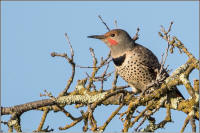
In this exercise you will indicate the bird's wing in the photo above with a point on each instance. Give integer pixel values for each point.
(151, 63)
(149, 60)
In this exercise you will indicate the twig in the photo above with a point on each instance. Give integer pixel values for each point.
(140, 124)
(39, 129)
(121, 87)
(80, 66)
(196, 85)
(103, 62)
(136, 36)
(193, 125)
(70, 45)
(115, 22)
(165, 57)
(163, 60)
(146, 116)
(115, 81)
(71, 125)
(187, 119)
(93, 122)
(187, 85)
(106, 59)
(170, 26)
(94, 69)
(47, 129)
(102, 128)
(93, 56)
(66, 112)
(152, 126)
(175, 42)
(141, 114)
(104, 23)
(72, 63)
(49, 94)
(103, 77)
(166, 120)
(85, 120)
(100, 78)
(127, 121)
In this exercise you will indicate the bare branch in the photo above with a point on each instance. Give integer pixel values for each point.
(102, 128)
(115, 22)
(71, 125)
(192, 122)
(187, 119)
(170, 26)
(72, 63)
(115, 80)
(103, 77)
(71, 49)
(104, 23)
(103, 62)
(95, 69)
(39, 129)
(136, 36)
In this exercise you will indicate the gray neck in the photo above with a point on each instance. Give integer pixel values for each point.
(120, 49)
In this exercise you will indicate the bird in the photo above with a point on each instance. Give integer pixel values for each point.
(136, 64)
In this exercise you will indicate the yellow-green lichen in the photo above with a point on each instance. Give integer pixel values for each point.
(85, 99)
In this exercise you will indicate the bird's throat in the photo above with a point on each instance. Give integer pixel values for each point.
(119, 60)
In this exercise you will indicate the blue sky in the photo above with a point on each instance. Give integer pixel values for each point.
(32, 30)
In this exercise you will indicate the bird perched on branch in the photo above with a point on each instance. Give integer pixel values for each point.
(137, 65)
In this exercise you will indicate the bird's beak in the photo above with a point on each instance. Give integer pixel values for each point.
(97, 36)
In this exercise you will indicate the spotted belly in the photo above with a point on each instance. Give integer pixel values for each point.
(135, 74)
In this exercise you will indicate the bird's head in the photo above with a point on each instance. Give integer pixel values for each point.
(117, 40)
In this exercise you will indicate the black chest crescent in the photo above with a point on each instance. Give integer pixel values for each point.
(119, 60)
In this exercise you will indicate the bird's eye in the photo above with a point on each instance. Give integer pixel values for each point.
(112, 35)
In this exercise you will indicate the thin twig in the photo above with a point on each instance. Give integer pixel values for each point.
(42, 120)
(91, 79)
(104, 23)
(140, 124)
(136, 36)
(187, 119)
(102, 128)
(193, 125)
(67, 113)
(121, 87)
(49, 94)
(85, 120)
(92, 120)
(72, 63)
(115, 22)
(103, 77)
(115, 80)
(70, 45)
(141, 114)
(103, 62)
(170, 26)
(71, 125)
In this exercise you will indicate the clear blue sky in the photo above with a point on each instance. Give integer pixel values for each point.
(32, 30)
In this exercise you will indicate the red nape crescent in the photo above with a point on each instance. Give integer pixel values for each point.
(112, 42)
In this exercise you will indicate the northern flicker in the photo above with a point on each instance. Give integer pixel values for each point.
(136, 64)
